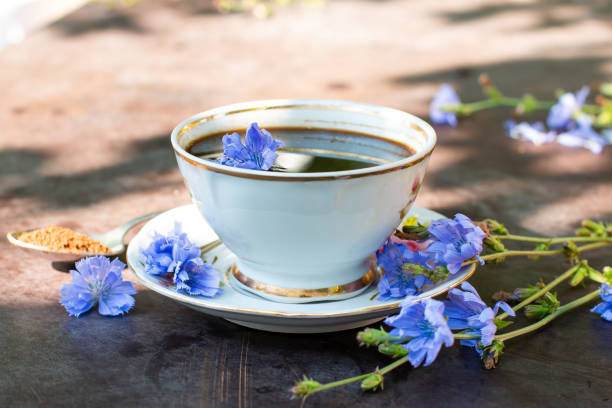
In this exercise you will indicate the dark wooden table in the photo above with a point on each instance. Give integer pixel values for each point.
(86, 110)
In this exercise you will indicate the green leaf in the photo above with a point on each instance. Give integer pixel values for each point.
(579, 275)
(596, 276)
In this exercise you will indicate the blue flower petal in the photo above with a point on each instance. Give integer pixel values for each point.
(604, 308)
(446, 96)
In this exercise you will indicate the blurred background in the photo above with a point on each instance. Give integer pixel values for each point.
(92, 89)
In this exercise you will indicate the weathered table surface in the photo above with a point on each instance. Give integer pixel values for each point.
(87, 105)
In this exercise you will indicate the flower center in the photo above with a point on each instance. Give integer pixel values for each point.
(426, 328)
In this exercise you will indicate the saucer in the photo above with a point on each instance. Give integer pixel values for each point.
(246, 309)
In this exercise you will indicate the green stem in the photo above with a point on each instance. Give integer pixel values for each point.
(536, 253)
(460, 336)
(468, 108)
(382, 371)
(393, 365)
(542, 291)
(563, 309)
(555, 240)
(594, 245)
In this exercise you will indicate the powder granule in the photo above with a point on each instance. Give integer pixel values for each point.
(62, 239)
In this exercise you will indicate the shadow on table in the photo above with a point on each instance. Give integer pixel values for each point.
(548, 13)
(140, 169)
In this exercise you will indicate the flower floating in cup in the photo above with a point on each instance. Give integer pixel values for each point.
(98, 280)
(175, 258)
(257, 153)
(570, 119)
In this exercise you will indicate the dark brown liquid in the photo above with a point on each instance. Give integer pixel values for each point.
(315, 150)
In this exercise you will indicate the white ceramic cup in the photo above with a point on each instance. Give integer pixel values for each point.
(302, 237)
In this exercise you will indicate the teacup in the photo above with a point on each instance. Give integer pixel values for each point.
(303, 237)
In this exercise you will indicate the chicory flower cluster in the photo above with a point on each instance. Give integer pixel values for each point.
(426, 325)
(423, 327)
(567, 123)
(175, 257)
(449, 244)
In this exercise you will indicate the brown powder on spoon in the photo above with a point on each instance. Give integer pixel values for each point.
(62, 239)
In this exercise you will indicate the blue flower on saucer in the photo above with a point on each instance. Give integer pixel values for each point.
(177, 257)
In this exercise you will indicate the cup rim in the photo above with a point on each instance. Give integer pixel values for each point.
(358, 107)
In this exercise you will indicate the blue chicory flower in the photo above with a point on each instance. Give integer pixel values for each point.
(258, 152)
(446, 96)
(534, 133)
(197, 278)
(398, 282)
(560, 116)
(98, 280)
(395, 283)
(466, 310)
(455, 241)
(177, 256)
(604, 308)
(582, 135)
(424, 323)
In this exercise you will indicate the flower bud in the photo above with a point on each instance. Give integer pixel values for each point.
(597, 228)
(607, 273)
(496, 227)
(484, 80)
(413, 269)
(372, 337)
(438, 273)
(570, 251)
(418, 231)
(305, 387)
(494, 244)
(524, 293)
(503, 296)
(580, 272)
(583, 232)
(491, 354)
(392, 349)
(543, 307)
(372, 382)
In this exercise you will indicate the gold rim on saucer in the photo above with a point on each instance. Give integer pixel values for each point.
(353, 286)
